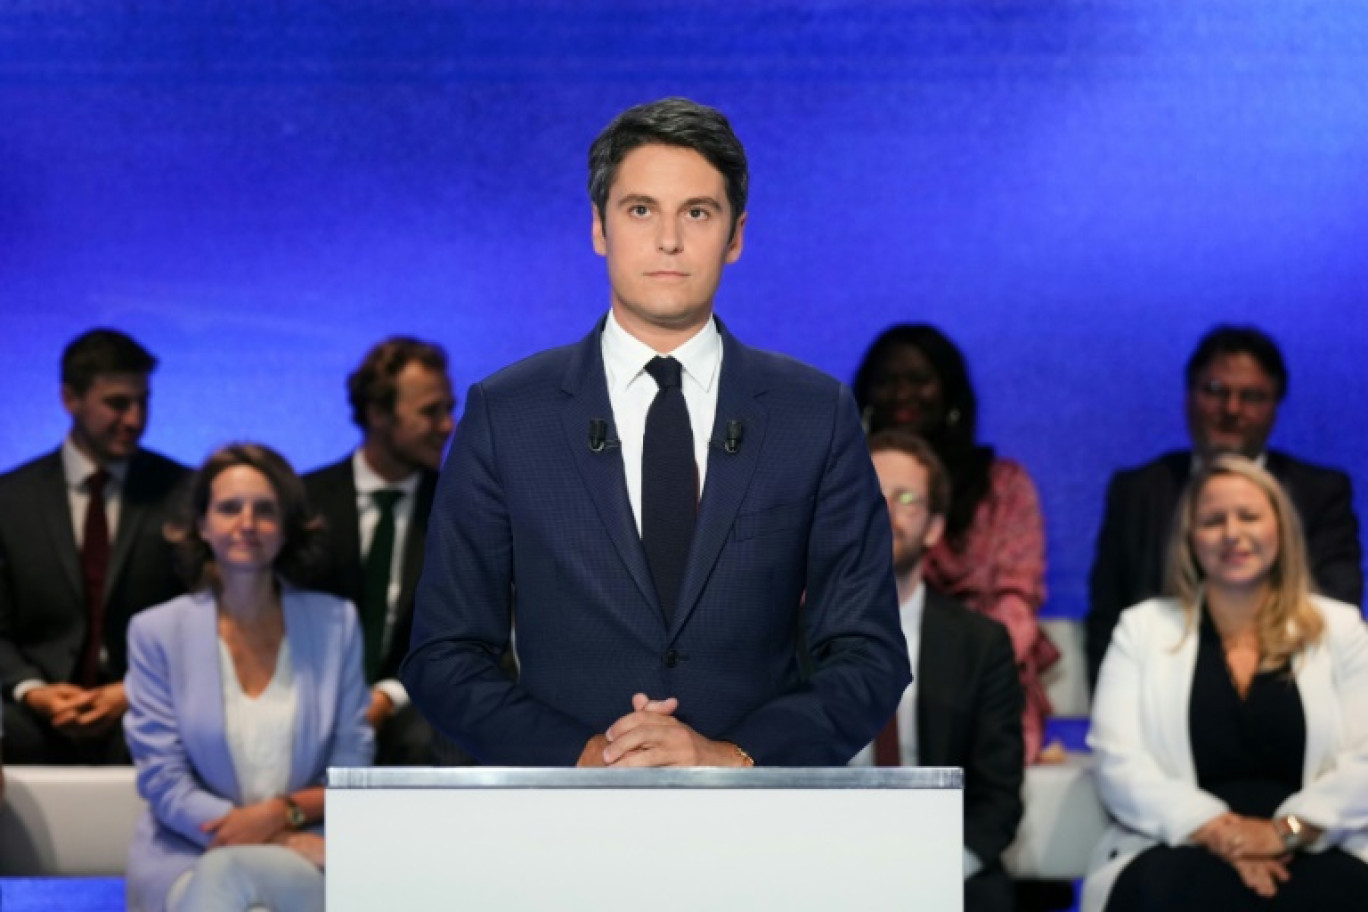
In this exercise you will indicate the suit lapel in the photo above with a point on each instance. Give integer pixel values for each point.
(55, 507)
(346, 538)
(1171, 694)
(938, 642)
(416, 538)
(1315, 674)
(204, 694)
(729, 474)
(586, 386)
(1281, 468)
(1164, 506)
(300, 637)
(132, 514)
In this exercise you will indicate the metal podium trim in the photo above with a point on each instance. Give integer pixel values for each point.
(504, 777)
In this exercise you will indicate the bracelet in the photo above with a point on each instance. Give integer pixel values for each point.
(746, 759)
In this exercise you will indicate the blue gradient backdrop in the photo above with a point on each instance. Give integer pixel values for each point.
(1074, 191)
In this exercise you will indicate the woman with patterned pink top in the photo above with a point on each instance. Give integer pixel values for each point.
(993, 555)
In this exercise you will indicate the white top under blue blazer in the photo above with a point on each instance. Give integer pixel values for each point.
(175, 723)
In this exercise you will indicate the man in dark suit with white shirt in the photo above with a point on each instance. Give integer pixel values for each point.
(1236, 380)
(82, 550)
(963, 707)
(666, 512)
(375, 504)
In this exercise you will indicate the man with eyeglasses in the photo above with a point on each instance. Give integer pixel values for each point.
(1236, 380)
(963, 707)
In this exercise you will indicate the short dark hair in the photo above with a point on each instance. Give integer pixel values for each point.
(103, 351)
(937, 479)
(1226, 339)
(670, 122)
(302, 552)
(373, 383)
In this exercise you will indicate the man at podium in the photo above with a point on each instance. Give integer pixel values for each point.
(688, 531)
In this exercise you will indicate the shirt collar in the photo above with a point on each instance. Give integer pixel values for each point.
(78, 467)
(368, 482)
(911, 610)
(625, 356)
(1196, 465)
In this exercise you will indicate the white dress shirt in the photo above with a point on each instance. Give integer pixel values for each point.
(260, 730)
(368, 512)
(631, 391)
(77, 467)
(910, 612)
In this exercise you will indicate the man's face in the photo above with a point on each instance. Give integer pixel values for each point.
(109, 418)
(666, 233)
(904, 481)
(416, 433)
(1232, 406)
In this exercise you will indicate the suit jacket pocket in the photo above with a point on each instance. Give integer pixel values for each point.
(772, 519)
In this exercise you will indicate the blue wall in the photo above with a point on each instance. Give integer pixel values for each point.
(1074, 191)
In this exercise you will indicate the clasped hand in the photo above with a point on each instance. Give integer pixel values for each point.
(254, 824)
(1250, 845)
(264, 823)
(651, 735)
(78, 711)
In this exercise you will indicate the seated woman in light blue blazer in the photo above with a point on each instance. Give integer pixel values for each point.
(240, 695)
(1230, 724)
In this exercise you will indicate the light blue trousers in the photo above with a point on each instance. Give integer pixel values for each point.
(243, 878)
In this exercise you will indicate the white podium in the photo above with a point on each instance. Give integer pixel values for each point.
(493, 839)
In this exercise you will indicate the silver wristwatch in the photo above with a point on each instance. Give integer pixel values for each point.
(1292, 830)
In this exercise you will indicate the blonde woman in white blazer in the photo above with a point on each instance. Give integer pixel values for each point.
(1183, 836)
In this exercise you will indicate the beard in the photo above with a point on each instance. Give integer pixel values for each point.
(907, 558)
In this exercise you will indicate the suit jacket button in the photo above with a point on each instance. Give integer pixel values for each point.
(671, 659)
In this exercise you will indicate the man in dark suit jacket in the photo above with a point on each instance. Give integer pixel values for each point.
(401, 400)
(964, 706)
(1236, 379)
(552, 509)
(64, 608)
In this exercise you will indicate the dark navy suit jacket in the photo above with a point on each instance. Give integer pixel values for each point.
(786, 640)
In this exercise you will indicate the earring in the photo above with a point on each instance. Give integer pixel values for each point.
(953, 417)
(866, 416)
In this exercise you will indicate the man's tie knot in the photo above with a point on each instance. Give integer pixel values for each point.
(96, 481)
(665, 371)
(385, 499)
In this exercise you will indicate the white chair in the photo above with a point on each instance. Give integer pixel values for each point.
(67, 820)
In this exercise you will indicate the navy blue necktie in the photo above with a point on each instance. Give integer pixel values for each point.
(669, 484)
